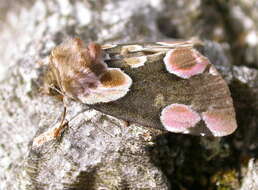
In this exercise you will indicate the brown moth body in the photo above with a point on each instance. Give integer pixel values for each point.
(161, 85)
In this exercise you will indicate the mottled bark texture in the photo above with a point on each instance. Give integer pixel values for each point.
(100, 152)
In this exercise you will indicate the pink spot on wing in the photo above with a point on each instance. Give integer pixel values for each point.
(185, 62)
(220, 122)
(179, 117)
(113, 84)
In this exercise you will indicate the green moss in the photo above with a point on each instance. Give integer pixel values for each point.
(225, 179)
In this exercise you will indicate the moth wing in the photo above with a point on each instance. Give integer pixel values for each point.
(174, 88)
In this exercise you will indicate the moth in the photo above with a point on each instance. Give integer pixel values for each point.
(164, 85)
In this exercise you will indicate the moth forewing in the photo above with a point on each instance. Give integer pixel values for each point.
(164, 85)
(178, 75)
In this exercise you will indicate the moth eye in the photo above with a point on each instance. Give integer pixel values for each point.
(185, 62)
(220, 122)
(179, 117)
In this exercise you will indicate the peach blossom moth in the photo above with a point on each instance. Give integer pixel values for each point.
(164, 85)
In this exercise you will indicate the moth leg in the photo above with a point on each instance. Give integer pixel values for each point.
(52, 133)
(63, 123)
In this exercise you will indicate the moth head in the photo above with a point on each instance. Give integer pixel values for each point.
(81, 73)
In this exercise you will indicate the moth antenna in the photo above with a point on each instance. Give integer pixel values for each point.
(60, 92)
(62, 125)
(50, 86)
(63, 115)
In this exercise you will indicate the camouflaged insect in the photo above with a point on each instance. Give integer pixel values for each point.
(165, 85)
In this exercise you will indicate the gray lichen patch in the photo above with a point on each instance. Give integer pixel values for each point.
(98, 147)
(28, 34)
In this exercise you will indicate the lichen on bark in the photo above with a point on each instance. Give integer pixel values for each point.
(98, 151)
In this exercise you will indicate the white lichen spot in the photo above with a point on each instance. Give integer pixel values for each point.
(53, 22)
(156, 4)
(65, 7)
(251, 38)
(41, 9)
(3, 71)
(83, 14)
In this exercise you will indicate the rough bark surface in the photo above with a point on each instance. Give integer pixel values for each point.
(100, 152)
